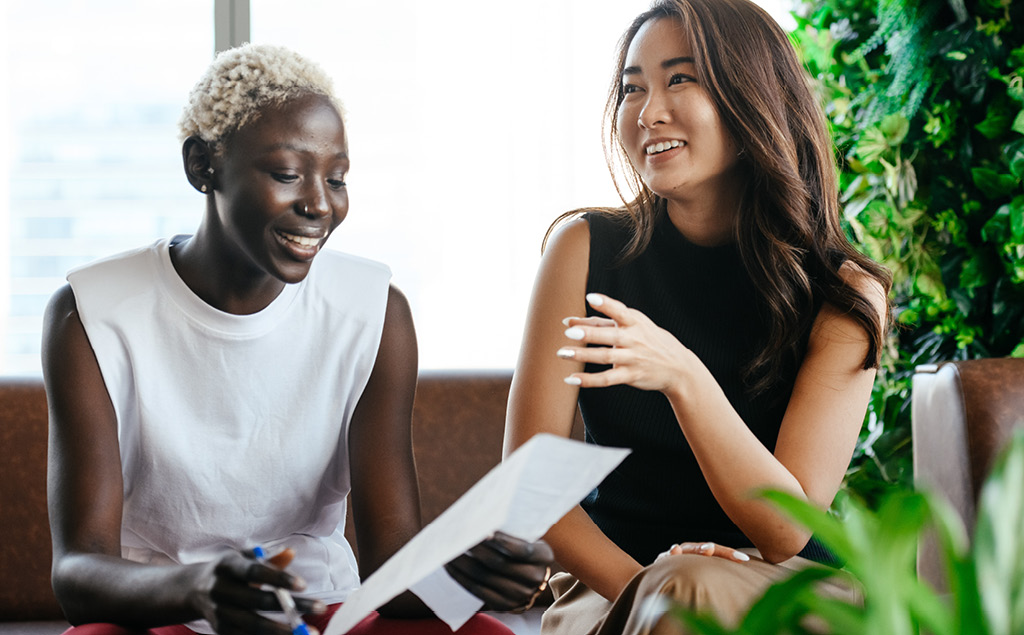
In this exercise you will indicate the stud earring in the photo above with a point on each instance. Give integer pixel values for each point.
(203, 189)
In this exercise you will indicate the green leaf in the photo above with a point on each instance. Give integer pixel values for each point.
(960, 570)
(999, 541)
(1017, 165)
(1019, 351)
(973, 273)
(826, 528)
(841, 616)
(995, 230)
(928, 279)
(908, 317)
(1017, 219)
(903, 515)
(934, 614)
(872, 145)
(784, 603)
(997, 121)
(992, 183)
(1015, 158)
(895, 128)
(1018, 123)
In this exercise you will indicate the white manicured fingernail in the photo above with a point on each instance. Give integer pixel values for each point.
(574, 333)
(566, 321)
(572, 380)
(707, 546)
(739, 555)
(594, 299)
(566, 353)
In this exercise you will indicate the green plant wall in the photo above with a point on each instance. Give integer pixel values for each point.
(925, 99)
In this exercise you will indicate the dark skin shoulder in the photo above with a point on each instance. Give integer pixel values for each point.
(502, 571)
(91, 580)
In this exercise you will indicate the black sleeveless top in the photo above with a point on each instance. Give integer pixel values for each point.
(702, 295)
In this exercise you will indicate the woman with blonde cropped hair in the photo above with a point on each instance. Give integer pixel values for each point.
(719, 324)
(222, 391)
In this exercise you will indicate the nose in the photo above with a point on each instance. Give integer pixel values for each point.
(315, 203)
(655, 110)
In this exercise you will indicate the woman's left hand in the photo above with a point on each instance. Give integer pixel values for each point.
(507, 573)
(641, 353)
(708, 549)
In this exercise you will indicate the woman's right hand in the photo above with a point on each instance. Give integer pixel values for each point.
(228, 593)
(641, 353)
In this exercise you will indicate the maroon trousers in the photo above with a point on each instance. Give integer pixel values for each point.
(374, 624)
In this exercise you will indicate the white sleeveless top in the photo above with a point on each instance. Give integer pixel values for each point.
(233, 429)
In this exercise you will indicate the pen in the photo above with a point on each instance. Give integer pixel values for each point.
(284, 598)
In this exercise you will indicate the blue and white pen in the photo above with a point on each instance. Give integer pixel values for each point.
(284, 598)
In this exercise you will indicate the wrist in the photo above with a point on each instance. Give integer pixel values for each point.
(612, 588)
(195, 581)
(689, 381)
(685, 381)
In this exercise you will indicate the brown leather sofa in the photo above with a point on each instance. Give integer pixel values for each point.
(962, 414)
(458, 424)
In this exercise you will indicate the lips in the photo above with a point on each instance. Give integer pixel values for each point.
(304, 241)
(662, 146)
(303, 246)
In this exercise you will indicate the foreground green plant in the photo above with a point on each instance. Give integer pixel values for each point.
(986, 580)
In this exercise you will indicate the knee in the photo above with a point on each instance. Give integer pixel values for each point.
(691, 581)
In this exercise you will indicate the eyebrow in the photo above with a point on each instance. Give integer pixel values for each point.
(294, 148)
(669, 63)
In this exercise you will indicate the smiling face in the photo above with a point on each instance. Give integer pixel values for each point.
(667, 124)
(281, 187)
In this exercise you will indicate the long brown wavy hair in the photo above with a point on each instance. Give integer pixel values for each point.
(788, 229)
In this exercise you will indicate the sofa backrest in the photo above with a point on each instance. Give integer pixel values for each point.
(962, 414)
(458, 426)
(25, 550)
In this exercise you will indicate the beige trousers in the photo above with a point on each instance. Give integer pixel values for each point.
(723, 587)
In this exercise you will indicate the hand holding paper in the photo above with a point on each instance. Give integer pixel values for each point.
(522, 496)
(503, 571)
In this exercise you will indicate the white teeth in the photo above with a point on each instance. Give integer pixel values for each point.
(301, 240)
(662, 146)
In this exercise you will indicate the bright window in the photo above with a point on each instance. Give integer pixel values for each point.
(91, 163)
(471, 126)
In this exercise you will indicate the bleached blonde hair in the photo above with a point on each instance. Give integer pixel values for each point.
(241, 82)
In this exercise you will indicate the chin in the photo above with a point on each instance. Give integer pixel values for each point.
(293, 274)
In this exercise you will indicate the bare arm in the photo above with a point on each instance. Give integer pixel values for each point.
(385, 496)
(814, 446)
(91, 580)
(540, 401)
(503, 571)
(818, 432)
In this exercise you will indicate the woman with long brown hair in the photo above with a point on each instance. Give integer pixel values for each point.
(720, 324)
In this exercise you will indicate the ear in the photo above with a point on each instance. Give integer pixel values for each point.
(197, 157)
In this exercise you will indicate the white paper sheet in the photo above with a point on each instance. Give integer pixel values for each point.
(449, 600)
(522, 496)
